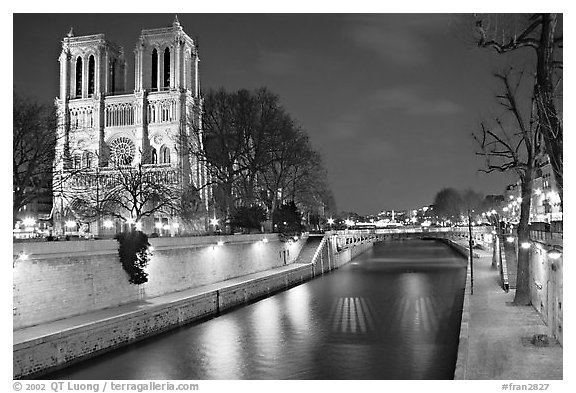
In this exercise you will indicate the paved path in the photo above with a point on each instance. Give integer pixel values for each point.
(499, 333)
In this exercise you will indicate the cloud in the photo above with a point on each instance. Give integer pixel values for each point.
(397, 39)
(400, 49)
(278, 63)
(411, 100)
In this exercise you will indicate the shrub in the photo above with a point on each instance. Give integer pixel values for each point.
(134, 255)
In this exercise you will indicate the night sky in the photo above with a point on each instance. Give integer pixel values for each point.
(390, 100)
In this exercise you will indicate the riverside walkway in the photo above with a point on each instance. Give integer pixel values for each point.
(495, 341)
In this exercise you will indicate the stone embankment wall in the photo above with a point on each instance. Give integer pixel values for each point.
(546, 278)
(63, 279)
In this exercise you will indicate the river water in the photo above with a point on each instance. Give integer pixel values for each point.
(392, 313)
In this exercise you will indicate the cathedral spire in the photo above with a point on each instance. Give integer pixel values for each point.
(71, 32)
(176, 23)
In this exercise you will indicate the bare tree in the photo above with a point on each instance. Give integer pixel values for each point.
(543, 34)
(514, 146)
(128, 192)
(34, 142)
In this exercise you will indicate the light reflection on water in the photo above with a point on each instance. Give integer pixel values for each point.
(394, 313)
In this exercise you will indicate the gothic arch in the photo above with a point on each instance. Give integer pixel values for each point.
(91, 74)
(154, 155)
(164, 154)
(78, 74)
(154, 68)
(166, 75)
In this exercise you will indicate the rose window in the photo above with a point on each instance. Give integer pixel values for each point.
(122, 150)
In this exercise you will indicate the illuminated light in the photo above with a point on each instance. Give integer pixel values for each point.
(518, 199)
(494, 211)
(23, 256)
(139, 225)
(214, 221)
(265, 240)
(330, 221)
(150, 248)
(29, 222)
(158, 225)
(479, 222)
(220, 243)
(488, 214)
(108, 224)
(554, 253)
(511, 196)
(130, 221)
(505, 209)
(70, 224)
(295, 238)
(525, 245)
(493, 232)
(538, 191)
(510, 239)
(349, 222)
(514, 203)
(176, 225)
(166, 227)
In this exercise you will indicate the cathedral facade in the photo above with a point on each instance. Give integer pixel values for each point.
(154, 127)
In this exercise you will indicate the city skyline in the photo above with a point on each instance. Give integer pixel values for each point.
(389, 100)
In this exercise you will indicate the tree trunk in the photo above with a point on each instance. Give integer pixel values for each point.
(544, 92)
(522, 296)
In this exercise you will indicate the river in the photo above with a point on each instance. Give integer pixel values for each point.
(392, 313)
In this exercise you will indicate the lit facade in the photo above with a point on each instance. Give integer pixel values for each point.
(101, 124)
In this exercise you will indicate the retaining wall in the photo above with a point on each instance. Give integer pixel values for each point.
(63, 279)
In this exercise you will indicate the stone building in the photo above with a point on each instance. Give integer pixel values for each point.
(102, 126)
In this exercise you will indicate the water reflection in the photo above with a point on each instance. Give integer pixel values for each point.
(394, 313)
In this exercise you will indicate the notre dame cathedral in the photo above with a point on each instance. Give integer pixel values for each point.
(102, 125)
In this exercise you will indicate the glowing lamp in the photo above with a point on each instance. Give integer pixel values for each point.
(158, 225)
(29, 222)
(108, 224)
(220, 243)
(176, 225)
(525, 245)
(510, 239)
(70, 224)
(554, 253)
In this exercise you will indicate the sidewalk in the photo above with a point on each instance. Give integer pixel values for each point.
(499, 334)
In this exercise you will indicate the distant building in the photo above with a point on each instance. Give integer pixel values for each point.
(100, 123)
(546, 206)
(545, 202)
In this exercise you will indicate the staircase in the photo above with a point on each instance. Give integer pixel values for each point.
(309, 249)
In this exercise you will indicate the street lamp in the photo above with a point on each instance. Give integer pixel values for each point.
(214, 221)
(29, 222)
(554, 253)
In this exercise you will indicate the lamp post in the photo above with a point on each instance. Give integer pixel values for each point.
(470, 243)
